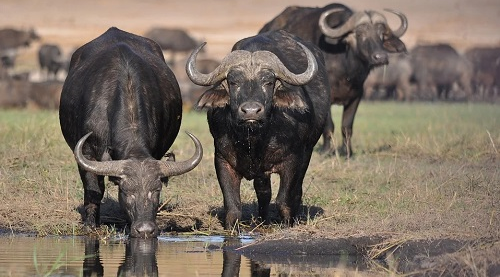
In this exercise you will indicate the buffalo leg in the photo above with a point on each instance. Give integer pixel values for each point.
(328, 134)
(93, 186)
(347, 122)
(262, 188)
(229, 182)
(290, 191)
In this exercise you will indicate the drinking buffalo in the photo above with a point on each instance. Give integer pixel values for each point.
(352, 43)
(120, 112)
(267, 108)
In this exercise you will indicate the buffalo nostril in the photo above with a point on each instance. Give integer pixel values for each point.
(251, 108)
(144, 229)
(380, 57)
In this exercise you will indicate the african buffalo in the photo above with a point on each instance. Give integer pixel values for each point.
(172, 39)
(13, 38)
(14, 93)
(393, 77)
(353, 43)
(486, 70)
(4, 74)
(8, 58)
(120, 112)
(436, 67)
(45, 95)
(267, 108)
(51, 59)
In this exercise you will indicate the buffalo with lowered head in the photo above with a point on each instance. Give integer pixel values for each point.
(267, 108)
(120, 112)
(352, 43)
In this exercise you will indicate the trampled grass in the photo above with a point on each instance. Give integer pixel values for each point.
(420, 169)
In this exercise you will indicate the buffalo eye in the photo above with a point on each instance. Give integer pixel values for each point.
(115, 180)
(152, 194)
(380, 31)
(268, 84)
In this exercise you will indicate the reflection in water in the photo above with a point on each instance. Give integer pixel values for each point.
(232, 262)
(92, 261)
(139, 260)
(165, 256)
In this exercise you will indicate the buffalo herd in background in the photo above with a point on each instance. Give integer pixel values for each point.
(425, 72)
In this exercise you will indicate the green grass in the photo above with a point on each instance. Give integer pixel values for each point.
(426, 169)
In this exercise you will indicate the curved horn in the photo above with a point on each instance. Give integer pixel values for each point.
(108, 168)
(377, 17)
(404, 23)
(169, 168)
(353, 21)
(270, 59)
(219, 73)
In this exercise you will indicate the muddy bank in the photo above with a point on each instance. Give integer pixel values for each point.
(436, 257)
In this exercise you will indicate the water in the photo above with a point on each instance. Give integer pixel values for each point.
(165, 256)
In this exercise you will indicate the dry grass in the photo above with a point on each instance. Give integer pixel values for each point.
(420, 171)
(425, 169)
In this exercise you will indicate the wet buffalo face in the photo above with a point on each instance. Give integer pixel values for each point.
(140, 182)
(367, 42)
(251, 95)
(139, 196)
(252, 84)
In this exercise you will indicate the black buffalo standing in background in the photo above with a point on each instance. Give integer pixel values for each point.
(11, 40)
(486, 71)
(394, 79)
(353, 43)
(51, 60)
(120, 112)
(174, 40)
(267, 108)
(436, 67)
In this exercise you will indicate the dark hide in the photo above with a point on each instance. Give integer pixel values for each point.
(348, 59)
(436, 68)
(120, 88)
(51, 60)
(278, 136)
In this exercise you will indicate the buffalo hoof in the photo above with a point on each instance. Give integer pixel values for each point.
(326, 150)
(343, 152)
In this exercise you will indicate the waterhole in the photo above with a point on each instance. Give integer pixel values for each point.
(165, 256)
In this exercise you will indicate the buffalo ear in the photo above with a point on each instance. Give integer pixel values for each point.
(288, 97)
(216, 97)
(394, 44)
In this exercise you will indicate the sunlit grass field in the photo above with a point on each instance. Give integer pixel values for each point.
(419, 169)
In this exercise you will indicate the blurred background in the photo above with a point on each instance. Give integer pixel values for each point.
(61, 26)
